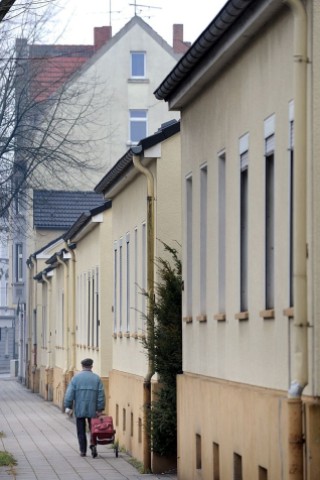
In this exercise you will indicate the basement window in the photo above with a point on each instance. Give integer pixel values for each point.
(198, 452)
(237, 467)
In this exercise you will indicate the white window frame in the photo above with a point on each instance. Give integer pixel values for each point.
(137, 73)
(189, 245)
(269, 137)
(137, 116)
(203, 237)
(222, 232)
(144, 272)
(244, 220)
(19, 261)
(115, 286)
(128, 281)
(291, 170)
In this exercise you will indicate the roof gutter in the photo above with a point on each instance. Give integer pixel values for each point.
(216, 29)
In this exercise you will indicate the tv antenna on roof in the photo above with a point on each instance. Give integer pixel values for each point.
(111, 12)
(135, 5)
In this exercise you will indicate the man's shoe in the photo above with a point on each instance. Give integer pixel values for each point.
(83, 454)
(94, 452)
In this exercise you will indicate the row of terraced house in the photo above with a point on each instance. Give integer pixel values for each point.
(233, 179)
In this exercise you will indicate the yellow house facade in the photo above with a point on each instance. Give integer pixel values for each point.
(144, 186)
(70, 302)
(248, 93)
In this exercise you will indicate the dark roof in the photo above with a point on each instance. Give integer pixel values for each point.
(205, 43)
(58, 210)
(125, 162)
(84, 219)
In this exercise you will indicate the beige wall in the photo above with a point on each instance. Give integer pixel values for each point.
(236, 372)
(126, 399)
(222, 413)
(129, 207)
(66, 343)
(238, 102)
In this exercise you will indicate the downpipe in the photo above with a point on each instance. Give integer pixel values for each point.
(300, 321)
(136, 151)
(65, 313)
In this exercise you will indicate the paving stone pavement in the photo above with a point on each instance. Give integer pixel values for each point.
(43, 441)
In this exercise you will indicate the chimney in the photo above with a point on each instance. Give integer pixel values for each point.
(179, 46)
(101, 36)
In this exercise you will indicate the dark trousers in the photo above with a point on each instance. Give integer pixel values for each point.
(82, 433)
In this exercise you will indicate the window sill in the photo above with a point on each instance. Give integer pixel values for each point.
(242, 316)
(142, 336)
(220, 317)
(126, 335)
(134, 335)
(187, 319)
(115, 335)
(138, 80)
(202, 318)
(267, 314)
(288, 312)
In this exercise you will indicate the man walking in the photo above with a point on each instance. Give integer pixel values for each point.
(85, 396)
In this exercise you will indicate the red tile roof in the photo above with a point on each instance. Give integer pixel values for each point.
(52, 65)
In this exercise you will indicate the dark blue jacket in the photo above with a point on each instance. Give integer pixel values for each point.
(85, 394)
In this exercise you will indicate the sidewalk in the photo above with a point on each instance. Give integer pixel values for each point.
(43, 441)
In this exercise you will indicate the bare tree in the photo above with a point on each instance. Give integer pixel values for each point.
(45, 137)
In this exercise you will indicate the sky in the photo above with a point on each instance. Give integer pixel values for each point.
(76, 19)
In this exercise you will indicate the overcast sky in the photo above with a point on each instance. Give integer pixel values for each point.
(77, 18)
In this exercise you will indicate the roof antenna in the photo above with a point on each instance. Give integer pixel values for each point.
(135, 5)
(111, 12)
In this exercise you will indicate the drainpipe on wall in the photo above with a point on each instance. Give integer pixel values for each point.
(65, 310)
(72, 323)
(150, 286)
(49, 333)
(300, 321)
(32, 340)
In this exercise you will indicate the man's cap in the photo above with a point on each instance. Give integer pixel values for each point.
(87, 362)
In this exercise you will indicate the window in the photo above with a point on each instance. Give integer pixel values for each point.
(144, 270)
(120, 285)
(88, 308)
(203, 239)
(135, 280)
(216, 462)
(198, 452)
(97, 306)
(291, 166)
(138, 64)
(222, 233)
(189, 258)
(138, 125)
(115, 285)
(237, 467)
(140, 430)
(124, 419)
(244, 157)
(131, 424)
(44, 317)
(269, 212)
(263, 473)
(19, 262)
(128, 283)
(62, 319)
(117, 415)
